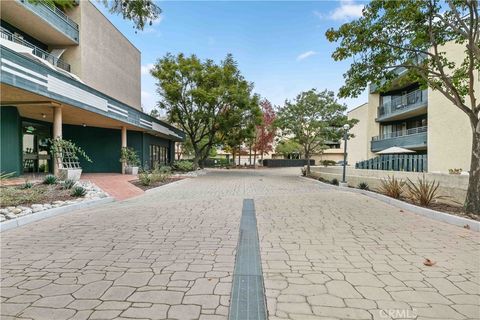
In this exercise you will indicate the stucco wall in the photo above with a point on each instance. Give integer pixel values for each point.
(359, 146)
(104, 58)
(449, 131)
(453, 186)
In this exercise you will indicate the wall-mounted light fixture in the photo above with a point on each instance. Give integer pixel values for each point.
(84, 125)
(44, 115)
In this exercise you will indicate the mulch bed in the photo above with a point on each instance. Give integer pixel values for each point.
(156, 184)
(11, 196)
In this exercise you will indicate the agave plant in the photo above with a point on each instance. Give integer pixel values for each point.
(5, 175)
(424, 192)
(391, 187)
(363, 186)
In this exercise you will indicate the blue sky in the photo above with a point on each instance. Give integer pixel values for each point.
(279, 45)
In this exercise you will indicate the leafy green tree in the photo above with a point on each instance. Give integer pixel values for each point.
(202, 97)
(411, 35)
(239, 126)
(312, 119)
(288, 147)
(140, 12)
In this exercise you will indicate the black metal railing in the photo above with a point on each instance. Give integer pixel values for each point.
(7, 35)
(397, 134)
(403, 103)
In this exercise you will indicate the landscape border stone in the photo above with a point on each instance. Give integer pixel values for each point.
(429, 213)
(26, 219)
(166, 185)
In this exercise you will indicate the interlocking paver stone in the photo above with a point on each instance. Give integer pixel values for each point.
(171, 253)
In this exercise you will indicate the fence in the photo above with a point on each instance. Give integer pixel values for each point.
(396, 162)
(287, 162)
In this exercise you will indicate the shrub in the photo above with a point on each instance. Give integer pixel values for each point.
(335, 181)
(327, 163)
(304, 172)
(144, 178)
(68, 184)
(161, 169)
(182, 165)
(424, 192)
(78, 191)
(50, 179)
(129, 157)
(392, 187)
(26, 185)
(5, 175)
(455, 171)
(363, 186)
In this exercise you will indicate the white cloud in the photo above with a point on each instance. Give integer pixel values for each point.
(305, 55)
(145, 69)
(347, 10)
(157, 21)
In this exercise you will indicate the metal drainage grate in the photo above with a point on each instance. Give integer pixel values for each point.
(248, 294)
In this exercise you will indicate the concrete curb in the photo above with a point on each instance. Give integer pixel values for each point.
(165, 186)
(20, 221)
(429, 213)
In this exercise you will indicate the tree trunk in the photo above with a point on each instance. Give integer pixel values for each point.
(255, 157)
(250, 156)
(196, 158)
(307, 156)
(472, 202)
(233, 156)
(239, 156)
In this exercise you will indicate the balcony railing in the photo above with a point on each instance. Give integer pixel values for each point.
(396, 134)
(42, 54)
(415, 138)
(403, 103)
(54, 16)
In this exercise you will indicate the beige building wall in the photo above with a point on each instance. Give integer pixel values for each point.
(358, 147)
(104, 58)
(449, 130)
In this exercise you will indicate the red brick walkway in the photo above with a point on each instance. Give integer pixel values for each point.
(115, 184)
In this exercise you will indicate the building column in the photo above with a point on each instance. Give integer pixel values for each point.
(124, 145)
(57, 133)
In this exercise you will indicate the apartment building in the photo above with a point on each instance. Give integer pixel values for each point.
(421, 120)
(72, 74)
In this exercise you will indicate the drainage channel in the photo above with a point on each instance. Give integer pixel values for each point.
(248, 294)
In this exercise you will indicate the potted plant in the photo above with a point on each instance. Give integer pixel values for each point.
(67, 156)
(129, 157)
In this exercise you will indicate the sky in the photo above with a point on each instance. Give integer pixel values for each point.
(280, 46)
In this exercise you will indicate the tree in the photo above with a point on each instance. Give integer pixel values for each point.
(203, 98)
(312, 119)
(239, 126)
(141, 12)
(410, 36)
(154, 113)
(288, 147)
(265, 132)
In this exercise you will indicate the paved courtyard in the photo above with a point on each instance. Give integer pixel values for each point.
(170, 254)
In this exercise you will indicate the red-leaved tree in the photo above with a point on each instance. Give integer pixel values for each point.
(265, 133)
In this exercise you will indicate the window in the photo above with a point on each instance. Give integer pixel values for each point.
(158, 155)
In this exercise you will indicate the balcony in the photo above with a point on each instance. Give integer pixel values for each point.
(415, 138)
(403, 107)
(7, 36)
(48, 24)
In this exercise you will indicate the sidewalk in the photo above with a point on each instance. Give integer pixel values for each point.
(115, 184)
